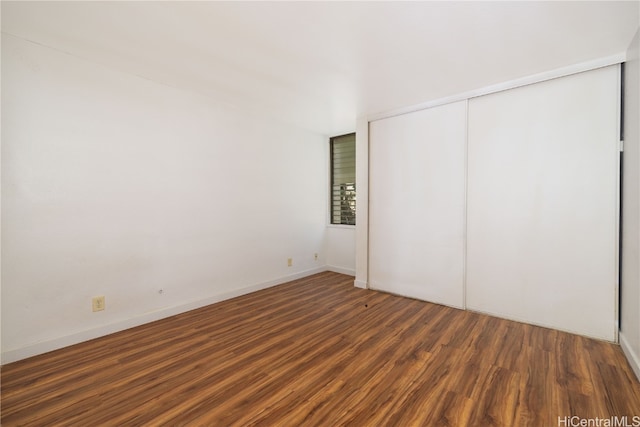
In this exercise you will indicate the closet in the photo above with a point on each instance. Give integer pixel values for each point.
(505, 203)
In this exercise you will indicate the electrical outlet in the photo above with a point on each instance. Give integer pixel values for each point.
(315, 257)
(97, 303)
(289, 262)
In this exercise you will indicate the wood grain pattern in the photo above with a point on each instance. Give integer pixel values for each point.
(319, 352)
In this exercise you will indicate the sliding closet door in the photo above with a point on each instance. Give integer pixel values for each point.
(416, 204)
(542, 203)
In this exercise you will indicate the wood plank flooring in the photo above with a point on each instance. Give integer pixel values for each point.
(319, 352)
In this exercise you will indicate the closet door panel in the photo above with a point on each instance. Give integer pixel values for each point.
(417, 204)
(543, 170)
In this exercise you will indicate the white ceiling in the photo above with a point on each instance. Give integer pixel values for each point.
(319, 65)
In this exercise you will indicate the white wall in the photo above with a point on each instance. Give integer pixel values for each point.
(630, 280)
(340, 249)
(118, 186)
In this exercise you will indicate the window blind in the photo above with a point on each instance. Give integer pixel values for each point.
(343, 179)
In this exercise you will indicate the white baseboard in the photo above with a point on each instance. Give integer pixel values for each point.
(632, 357)
(342, 270)
(67, 340)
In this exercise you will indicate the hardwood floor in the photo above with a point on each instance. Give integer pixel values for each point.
(318, 351)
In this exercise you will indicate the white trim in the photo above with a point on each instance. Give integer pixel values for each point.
(616, 156)
(78, 337)
(342, 270)
(511, 84)
(466, 206)
(632, 357)
(362, 205)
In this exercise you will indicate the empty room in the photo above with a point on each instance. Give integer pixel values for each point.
(320, 213)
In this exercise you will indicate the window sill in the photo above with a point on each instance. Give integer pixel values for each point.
(349, 227)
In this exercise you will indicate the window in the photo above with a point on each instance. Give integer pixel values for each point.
(343, 179)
